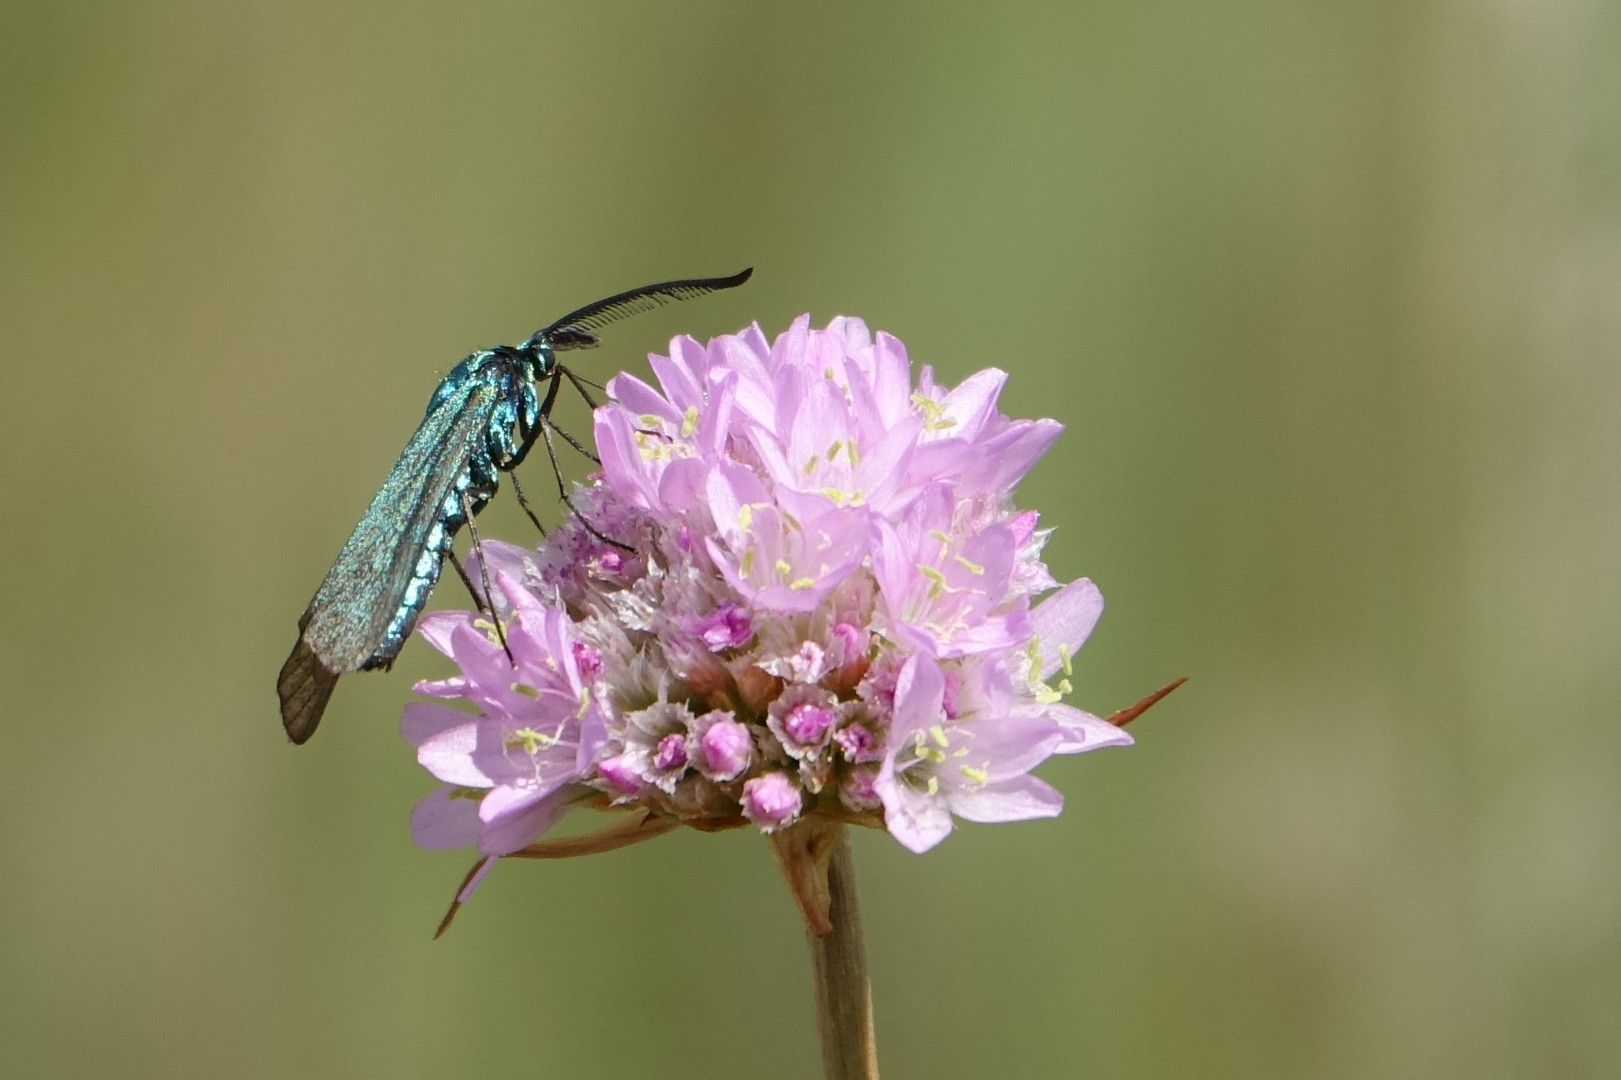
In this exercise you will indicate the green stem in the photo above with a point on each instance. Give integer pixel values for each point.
(839, 966)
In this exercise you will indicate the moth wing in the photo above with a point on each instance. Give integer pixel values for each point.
(351, 612)
(304, 686)
(345, 627)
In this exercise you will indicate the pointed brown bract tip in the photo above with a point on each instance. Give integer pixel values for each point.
(450, 917)
(630, 830)
(1132, 712)
(304, 686)
(456, 904)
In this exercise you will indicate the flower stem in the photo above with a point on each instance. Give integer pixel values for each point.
(839, 966)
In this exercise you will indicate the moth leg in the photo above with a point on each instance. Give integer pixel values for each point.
(461, 572)
(546, 427)
(517, 489)
(527, 434)
(551, 399)
(580, 385)
(546, 421)
(484, 579)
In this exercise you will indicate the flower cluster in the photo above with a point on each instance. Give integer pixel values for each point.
(797, 587)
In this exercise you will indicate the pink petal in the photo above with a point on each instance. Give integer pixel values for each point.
(1017, 799)
(1083, 731)
(681, 488)
(1064, 620)
(914, 818)
(472, 755)
(445, 819)
(973, 403)
(886, 462)
(919, 697)
(820, 419)
(422, 720)
(436, 627)
(891, 378)
(515, 823)
(1006, 458)
(623, 466)
(715, 422)
(682, 384)
(791, 344)
(639, 399)
(1011, 746)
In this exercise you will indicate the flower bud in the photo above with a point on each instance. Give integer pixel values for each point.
(805, 724)
(857, 792)
(858, 743)
(725, 749)
(852, 643)
(772, 801)
(620, 774)
(671, 752)
(727, 627)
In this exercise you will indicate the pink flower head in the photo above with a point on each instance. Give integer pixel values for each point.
(829, 604)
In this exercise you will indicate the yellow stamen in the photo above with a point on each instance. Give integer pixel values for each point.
(529, 739)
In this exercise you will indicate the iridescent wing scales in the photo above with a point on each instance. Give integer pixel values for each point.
(346, 626)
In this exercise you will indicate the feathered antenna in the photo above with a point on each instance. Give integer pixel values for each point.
(573, 331)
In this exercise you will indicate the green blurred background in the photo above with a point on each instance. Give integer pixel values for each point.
(1327, 295)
